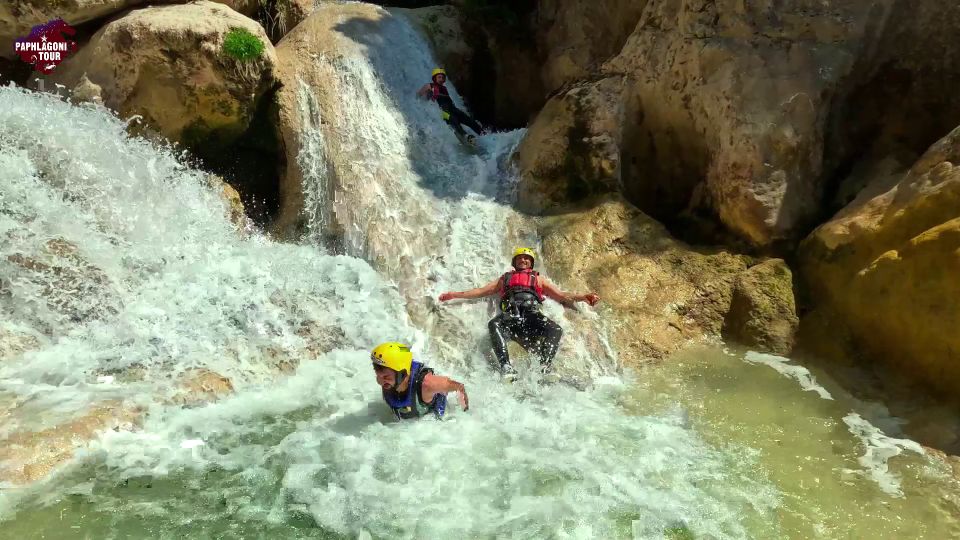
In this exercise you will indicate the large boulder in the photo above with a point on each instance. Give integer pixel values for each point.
(729, 96)
(663, 293)
(168, 65)
(747, 111)
(763, 312)
(572, 149)
(884, 270)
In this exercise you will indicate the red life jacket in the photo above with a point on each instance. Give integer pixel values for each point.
(440, 95)
(525, 281)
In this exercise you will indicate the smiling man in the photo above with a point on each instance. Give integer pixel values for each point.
(409, 388)
(522, 291)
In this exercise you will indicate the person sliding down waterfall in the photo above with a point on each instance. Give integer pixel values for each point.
(521, 293)
(453, 116)
(409, 388)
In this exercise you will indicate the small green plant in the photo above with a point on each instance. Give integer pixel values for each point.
(242, 45)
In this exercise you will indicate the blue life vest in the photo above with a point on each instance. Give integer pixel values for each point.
(410, 404)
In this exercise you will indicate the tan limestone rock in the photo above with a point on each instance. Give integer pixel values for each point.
(885, 268)
(763, 312)
(200, 386)
(661, 293)
(26, 457)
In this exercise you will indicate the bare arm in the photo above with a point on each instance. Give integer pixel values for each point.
(424, 91)
(436, 384)
(566, 298)
(487, 290)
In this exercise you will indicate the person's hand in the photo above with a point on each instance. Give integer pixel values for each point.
(462, 395)
(447, 296)
(591, 298)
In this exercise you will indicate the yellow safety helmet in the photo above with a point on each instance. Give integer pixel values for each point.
(393, 355)
(438, 71)
(523, 251)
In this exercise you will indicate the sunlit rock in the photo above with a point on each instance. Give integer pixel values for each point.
(235, 210)
(13, 343)
(885, 268)
(662, 294)
(763, 312)
(199, 386)
(31, 456)
(68, 283)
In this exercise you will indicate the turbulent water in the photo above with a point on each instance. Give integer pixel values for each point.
(122, 278)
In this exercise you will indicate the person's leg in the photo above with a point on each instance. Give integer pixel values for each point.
(499, 335)
(464, 118)
(550, 332)
(454, 121)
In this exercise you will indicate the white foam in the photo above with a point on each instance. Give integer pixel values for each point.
(798, 373)
(879, 450)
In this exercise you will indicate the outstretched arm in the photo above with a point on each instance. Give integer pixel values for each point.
(424, 91)
(437, 384)
(487, 290)
(565, 298)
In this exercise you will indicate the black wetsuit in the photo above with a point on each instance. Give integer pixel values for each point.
(521, 320)
(453, 116)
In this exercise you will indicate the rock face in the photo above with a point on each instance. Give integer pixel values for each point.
(576, 36)
(504, 86)
(724, 108)
(167, 65)
(886, 268)
(663, 293)
(572, 149)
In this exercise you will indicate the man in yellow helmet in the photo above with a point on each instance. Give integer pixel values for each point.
(409, 388)
(453, 116)
(521, 293)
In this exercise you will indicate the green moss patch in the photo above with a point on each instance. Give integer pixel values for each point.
(242, 45)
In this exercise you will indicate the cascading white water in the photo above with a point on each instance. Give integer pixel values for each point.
(121, 277)
(411, 199)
